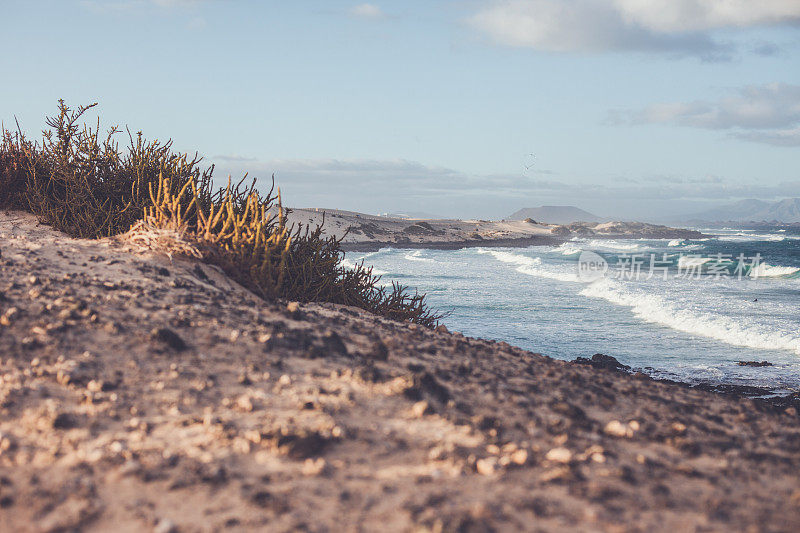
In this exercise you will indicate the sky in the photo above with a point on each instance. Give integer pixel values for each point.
(473, 109)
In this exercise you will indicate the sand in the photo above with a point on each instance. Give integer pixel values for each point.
(140, 394)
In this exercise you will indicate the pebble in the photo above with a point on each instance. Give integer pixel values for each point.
(519, 457)
(165, 525)
(615, 428)
(559, 455)
(487, 466)
(420, 408)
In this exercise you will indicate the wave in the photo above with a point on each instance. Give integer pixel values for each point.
(655, 309)
(417, 256)
(763, 270)
(530, 266)
(675, 242)
(686, 261)
(346, 263)
(611, 244)
(568, 249)
(745, 237)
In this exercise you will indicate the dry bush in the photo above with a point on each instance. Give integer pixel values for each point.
(87, 186)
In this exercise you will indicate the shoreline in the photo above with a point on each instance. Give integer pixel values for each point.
(519, 242)
(140, 393)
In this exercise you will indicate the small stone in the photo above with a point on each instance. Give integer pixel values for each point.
(487, 466)
(519, 457)
(165, 526)
(245, 403)
(677, 427)
(285, 380)
(314, 467)
(615, 428)
(8, 317)
(94, 386)
(420, 408)
(559, 455)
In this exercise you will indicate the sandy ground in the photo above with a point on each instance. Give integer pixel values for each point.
(139, 394)
(369, 232)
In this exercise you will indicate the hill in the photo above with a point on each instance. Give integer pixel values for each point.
(556, 214)
(784, 211)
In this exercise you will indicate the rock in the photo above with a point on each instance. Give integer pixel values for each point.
(169, 337)
(559, 455)
(7, 318)
(420, 409)
(615, 428)
(519, 457)
(294, 310)
(754, 363)
(606, 362)
(487, 466)
(165, 525)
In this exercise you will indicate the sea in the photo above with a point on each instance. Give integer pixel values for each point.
(686, 310)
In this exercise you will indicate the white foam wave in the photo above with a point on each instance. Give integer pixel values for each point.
(346, 263)
(675, 242)
(656, 309)
(531, 266)
(417, 256)
(687, 261)
(569, 249)
(611, 244)
(764, 270)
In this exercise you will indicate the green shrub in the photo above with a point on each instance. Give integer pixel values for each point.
(88, 187)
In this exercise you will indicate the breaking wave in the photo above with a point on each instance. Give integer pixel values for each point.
(656, 309)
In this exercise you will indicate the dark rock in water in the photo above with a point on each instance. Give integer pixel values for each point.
(169, 337)
(599, 360)
(754, 363)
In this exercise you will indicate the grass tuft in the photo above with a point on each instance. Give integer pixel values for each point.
(87, 186)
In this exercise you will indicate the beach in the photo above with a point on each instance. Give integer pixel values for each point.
(143, 393)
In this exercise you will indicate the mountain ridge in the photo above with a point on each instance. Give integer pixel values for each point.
(556, 214)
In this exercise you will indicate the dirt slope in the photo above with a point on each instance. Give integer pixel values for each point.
(139, 394)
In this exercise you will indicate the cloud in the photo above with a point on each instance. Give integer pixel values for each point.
(376, 186)
(677, 27)
(367, 11)
(760, 113)
(112, 6)
(788, 137)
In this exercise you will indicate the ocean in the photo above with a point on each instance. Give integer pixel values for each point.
(687, 310)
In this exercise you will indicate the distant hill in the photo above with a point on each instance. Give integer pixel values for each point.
(786, 211)
(556, 214)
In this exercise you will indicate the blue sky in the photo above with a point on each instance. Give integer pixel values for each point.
(631, 108)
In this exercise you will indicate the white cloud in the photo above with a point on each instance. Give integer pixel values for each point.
(682, 27)
(761, 113)
(368, 11)
(375, 186)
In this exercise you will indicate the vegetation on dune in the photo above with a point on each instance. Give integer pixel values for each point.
(88, 186)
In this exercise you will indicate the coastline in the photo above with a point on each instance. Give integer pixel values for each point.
(367, 233)
(143, 393)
